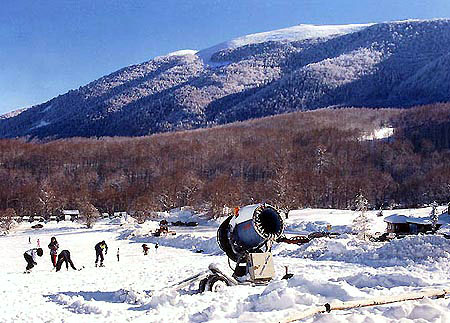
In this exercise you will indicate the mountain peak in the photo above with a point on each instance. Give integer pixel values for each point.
(392, 64)
(295, 33)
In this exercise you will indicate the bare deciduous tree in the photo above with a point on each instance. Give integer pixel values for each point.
(88, 213)
(7, 219)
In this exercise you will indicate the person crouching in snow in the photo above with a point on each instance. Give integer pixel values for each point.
(30, 257)
(99, 252)
(53, 246)
(64, 256)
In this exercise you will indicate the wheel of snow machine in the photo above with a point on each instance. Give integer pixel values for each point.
(215, 283)
(202, 285)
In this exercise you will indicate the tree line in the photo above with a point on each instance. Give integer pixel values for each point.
(302, 159)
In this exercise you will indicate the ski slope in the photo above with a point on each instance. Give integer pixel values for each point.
(136, 287)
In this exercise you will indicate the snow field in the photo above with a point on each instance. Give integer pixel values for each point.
(136, 288)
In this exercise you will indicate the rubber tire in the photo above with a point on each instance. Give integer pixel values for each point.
(213, 282)
(202, 285)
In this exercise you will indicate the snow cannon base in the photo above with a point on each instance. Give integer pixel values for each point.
(214, 279)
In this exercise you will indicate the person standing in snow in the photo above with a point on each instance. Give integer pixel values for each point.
(99, 247)
(29, 240)
(117, 254)
(145, 249)
(30, 257)
(53, 246)
(38, 243)
(156, 247)
(64, 256)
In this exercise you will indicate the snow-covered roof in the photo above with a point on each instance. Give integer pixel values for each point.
(424, 220)
(444, 218)
(396, 218)
(71, 212)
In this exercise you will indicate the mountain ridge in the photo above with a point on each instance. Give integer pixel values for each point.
(393, 64)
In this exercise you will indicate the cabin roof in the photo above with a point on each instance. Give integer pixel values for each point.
(399, 219)
(396, 218)
(71, 212)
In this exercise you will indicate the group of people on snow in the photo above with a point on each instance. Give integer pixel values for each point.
(145, 248)
(63, 257)
(101, 248)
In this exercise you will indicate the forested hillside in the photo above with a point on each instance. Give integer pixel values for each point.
(395, 64)
(304, 159)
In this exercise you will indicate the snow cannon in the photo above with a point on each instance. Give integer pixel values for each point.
(247, 237)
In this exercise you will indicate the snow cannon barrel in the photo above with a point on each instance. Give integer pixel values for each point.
(249, 230)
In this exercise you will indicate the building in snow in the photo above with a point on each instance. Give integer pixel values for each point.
(402, 224)
(121, 214)
(70, 215)
(397, 224)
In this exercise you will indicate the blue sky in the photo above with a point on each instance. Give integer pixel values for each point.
(48, 47)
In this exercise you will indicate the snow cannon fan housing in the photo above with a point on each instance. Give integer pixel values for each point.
(249, 230)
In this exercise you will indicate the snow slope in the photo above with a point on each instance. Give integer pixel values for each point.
(295, 33)
(135, 288)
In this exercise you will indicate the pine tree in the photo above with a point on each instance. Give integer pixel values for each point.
(361, 224)
(434, 217)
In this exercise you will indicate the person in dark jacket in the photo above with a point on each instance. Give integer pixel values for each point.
(99, 247)
(64, 256)
(145, 248)
(53, 246)
(30, 257)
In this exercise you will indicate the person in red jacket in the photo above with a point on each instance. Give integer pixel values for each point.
(145, 248)
(53, 246)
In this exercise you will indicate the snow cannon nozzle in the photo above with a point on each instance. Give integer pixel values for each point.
(249, 230)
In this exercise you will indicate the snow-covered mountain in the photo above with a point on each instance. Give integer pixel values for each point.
(12, 113)
(395, 64)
